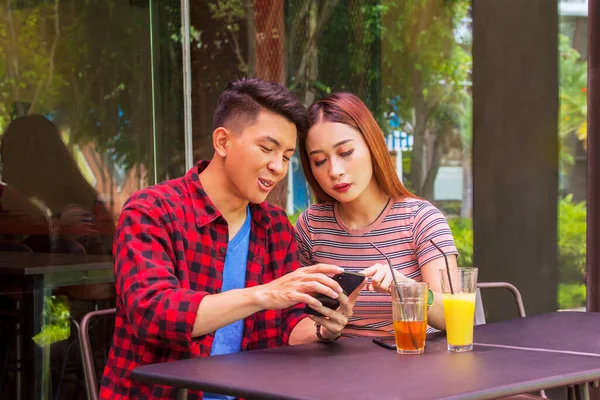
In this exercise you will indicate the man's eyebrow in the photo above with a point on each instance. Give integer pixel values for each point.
(335, 146)
(274, 141)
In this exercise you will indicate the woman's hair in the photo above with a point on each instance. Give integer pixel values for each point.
(41, 165)
(348, 109)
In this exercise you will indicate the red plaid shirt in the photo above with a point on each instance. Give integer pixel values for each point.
(170, 251)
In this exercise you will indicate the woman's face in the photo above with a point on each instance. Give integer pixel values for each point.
(340, 160)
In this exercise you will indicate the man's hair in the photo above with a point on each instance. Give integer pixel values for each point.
(243, 99)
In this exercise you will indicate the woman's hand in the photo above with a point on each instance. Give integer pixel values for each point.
(380, 279)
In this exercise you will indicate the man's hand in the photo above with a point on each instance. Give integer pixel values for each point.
(297, 287)
(334, 321)
(381, 278)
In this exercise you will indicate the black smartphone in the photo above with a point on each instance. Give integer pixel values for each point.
(386, 343)
(349, 281)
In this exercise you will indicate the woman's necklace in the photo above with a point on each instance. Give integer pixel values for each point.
(340, 212)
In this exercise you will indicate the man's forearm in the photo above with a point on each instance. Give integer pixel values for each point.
(218, 310)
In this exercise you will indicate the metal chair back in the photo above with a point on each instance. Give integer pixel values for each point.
(87, 354)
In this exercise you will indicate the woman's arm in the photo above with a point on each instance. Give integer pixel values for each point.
(431, 275)
(381, 280)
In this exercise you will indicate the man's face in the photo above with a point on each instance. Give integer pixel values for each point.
(258, 157)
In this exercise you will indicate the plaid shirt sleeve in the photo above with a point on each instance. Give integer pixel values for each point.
(157, 307)
(293, 315)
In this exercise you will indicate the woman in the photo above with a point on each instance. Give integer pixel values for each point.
(361, 207)
(41, 176)
(47, 205)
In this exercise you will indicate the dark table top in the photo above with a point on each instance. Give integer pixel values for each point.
(15, 263)
(560, 331)
(359, 369)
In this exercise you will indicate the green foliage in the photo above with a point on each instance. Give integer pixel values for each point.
(462, 230)
(573, 88)
(29, 80)
(571, 295)
(420, 54)
(57, 326)
(294, 217)
(349, 53)
(100, 89)
(572, 98)
(450, 208)
(571, 249)
(571, 240)
(230, 14)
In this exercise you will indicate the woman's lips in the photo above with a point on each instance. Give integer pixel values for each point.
(342, 187)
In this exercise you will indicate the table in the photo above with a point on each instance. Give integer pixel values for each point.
(359, 369)
(568, 331)
(36, 274)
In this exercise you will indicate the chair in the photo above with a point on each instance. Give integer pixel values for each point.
(479, 313)
(91, 296)
(480, 320)
(89, 366)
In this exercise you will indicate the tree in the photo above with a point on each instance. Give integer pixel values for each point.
(426, 68)
(402, 55)
(572, 98)
(88, 65)
(29, 81)
(246, 37)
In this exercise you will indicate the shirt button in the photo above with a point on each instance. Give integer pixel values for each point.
(222, 249)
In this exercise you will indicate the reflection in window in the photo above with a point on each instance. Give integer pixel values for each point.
(91, 110)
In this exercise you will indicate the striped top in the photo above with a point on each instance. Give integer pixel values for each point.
(402, 231)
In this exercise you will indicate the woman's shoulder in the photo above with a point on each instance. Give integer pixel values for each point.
(318, 210)
(415, 207)
(316, 214)
(410, 204)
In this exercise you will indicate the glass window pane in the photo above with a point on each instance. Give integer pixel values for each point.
(91, 111)
(572, 130)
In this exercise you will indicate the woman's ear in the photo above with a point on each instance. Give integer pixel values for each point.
(221, 139)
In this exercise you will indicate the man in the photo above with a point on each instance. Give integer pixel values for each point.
(204, 265)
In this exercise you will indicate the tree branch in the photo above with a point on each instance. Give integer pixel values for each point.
(13, 67)
(48, 83)
(251, 31)
(243, 65)
(314, 36)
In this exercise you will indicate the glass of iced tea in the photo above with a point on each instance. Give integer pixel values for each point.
(409, 306)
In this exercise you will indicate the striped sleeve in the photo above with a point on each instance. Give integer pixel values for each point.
(303, 241)
(430, 224)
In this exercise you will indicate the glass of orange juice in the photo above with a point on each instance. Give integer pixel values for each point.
(459, 290)
(409, 306)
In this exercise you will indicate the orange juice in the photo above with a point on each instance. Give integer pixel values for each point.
(459, 311)
(403, 331)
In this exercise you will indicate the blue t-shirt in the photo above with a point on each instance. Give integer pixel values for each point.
(228, 339)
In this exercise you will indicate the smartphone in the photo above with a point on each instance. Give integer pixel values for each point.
(349, 281)
(386, 343)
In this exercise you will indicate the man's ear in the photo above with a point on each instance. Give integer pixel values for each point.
(221, 140)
